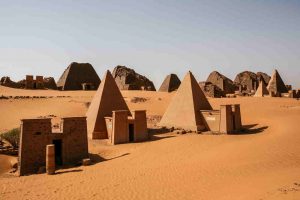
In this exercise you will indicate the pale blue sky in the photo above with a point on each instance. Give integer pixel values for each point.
(153, 37)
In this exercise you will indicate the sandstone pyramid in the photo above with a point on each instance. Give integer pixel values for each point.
(107, 99)
(276, 84)
(184, 110)
(76, 74)
(170, 83)
(262, 89)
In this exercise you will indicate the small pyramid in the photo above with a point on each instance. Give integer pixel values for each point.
(184, 110)
(108, 98)
(262, 89)
(276, 84)
(170, 83)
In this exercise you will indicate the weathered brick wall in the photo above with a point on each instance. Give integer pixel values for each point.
(75, 144)
(140, 125)
(35, 135)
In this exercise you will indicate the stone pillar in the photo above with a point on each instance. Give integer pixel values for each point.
(140, 125)
(236, 111)
(120, 133)
(226, 120)
(50, 159)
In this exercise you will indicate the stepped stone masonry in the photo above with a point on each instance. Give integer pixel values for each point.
(70, 143)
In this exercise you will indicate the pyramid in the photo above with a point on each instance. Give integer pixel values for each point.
(262, 89)
(77, 74)
(170, 83)
(108, 98)
(184, 110)
(276, 84)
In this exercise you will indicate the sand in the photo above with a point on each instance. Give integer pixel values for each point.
(261, 165)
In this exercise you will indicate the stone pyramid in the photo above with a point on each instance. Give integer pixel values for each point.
(170, 83)
(262, 89)
(184, 110)
(108, 98)
(276, 84)
(77, 74)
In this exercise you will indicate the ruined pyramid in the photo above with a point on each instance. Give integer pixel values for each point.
(183, 111)
(108, 98)
(262, 89)
(170, 83)
(76, 74)
(276, 84)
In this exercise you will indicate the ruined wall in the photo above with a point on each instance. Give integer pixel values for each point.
(75, 143)
(120, 132)
(35, 135)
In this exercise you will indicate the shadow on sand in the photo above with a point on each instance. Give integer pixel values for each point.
(250, 129)
(95, 158)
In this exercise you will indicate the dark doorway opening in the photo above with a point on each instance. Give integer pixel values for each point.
(58, 152)
(131, 133)
(34, 85)
(233, 123)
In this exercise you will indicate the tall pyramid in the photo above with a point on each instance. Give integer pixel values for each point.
(107, 99)
(262, 89)
(184, 110)
(170, 83)
(276, 84)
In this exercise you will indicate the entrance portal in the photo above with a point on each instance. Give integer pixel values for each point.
(58, 152)
(131, 133)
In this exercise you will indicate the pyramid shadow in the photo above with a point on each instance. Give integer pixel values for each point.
(95, 158)
(249, 129)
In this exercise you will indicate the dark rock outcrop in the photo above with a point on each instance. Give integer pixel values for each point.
(128, 79)
(77, 74)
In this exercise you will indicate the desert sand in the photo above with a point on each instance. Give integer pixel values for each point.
(262, 164)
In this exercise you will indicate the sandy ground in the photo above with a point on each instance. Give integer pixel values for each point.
(261, 165)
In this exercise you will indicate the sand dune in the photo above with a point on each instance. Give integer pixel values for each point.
(262, 165)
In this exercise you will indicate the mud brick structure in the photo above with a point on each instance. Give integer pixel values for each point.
(122, 128)
(31, 83)
(226, 120)
(70, 141)
(77, 74)
(128, 79)
(170, 84)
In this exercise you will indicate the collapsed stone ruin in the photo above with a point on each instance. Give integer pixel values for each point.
(190, 110)
(128, 79)
(170, 84)
(79, 76)
(109, 117)
(70, 141)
